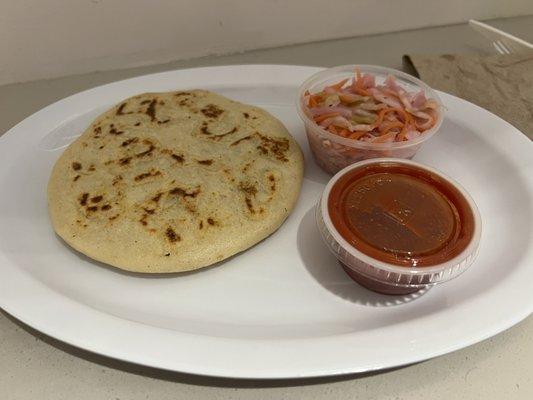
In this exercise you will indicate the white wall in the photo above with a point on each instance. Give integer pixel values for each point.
(49, 38)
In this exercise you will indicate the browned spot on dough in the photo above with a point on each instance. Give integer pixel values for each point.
(246, 115)
(150, 111)
(117, 179)
(163, 122)
(137, 123)
(101, 147)
(204, 129)
(145, 175)
(184, 193)
(149, 211)
(91, 168)
(212, 111)
(76, 166)
(92, 208)
(143, 220)
(211, 221)
(263, 149)
(218, 137)
(97, 199)
(113, 217)
(272, 182)
(83, 199)
(124, 161)
(182, 94)
(97, 130)
(84, 144)
(278, 147)
(114, 131)
(161, 103)
(249, 204)
(241, 140)
(120, 110)
(228, 174)
(145, 102)
(172, 236)
(147, 152)
(177, 157)
(167, 254)
(129, 141)
(190, 207)
(205, 162)
(157, 197)
(247, 166)
(76, 178)
(106, 207)
(201, 225)
(248, 188)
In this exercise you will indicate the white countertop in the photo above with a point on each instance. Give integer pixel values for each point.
(34, 366)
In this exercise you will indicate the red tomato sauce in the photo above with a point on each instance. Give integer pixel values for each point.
(401, 214)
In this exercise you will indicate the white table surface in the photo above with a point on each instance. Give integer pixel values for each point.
(34, 366)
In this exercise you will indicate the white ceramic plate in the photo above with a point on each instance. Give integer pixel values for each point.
(284, 308)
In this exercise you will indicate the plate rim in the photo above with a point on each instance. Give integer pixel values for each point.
(6, 296)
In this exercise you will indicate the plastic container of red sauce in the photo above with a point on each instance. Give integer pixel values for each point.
(397, 226)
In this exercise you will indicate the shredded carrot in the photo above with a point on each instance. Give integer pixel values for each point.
(357, 134)
(338, 86)
(332, 129)
(402, 135)
(344, 132)
(381, 115)
(390, 123)
(323, 117)
(384, 111)
(394, 125)
(406, 117)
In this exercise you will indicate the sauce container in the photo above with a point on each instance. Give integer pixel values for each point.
(333, 152)
(397, 226)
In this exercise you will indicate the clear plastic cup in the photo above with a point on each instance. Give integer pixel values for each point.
(333, 152)
(384, 277)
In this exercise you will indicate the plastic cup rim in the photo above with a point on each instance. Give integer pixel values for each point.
(429, 270)
(310, 124)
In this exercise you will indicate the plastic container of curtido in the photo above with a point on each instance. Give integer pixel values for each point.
(333, 152)
(397, 226)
